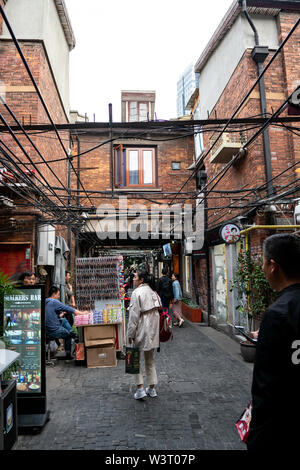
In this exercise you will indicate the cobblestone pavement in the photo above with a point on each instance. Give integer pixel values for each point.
(204, 384)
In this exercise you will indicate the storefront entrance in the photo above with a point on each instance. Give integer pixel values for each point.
(15, 259)
(219, 283)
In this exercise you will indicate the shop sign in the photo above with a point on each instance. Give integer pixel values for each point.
(230, 233)
(167, 249)
(23, 328)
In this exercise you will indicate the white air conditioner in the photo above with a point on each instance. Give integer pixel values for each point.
(46, 240)
(227, 146)
(188, 245)
(297, 213)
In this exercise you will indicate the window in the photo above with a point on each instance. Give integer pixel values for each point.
(175, 165)
(133, 114)
(138, 111)
(134, 167)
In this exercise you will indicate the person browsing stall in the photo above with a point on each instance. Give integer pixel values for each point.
(143, 329)
(56, 325)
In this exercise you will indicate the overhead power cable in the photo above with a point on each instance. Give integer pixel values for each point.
(36, 88)
(19, 191)
(257, 202)
(224, 170)
(25, 152)
(243, 101)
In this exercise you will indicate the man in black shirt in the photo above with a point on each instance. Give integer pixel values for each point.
(276, 375)
(165, 289)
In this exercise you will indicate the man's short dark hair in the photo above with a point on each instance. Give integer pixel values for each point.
(68, 272)
(285, 250)
(53, 290)
(26, 274)
(176, 275)
(164, 271)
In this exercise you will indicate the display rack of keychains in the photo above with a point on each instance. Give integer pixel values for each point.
(100, 290)
(96, 279)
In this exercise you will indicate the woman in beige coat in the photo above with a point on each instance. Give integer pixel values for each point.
(143, 330)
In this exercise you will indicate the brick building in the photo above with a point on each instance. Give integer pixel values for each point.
(142, 164)
(45, 36)
(228, 67)
(137, 106)
(130, 166)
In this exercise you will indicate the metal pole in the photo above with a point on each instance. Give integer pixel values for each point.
(112, 166)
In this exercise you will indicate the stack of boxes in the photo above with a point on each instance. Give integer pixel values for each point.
(100, 343)
(98, 284)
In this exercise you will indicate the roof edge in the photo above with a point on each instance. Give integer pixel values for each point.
(66, 23)
(254, 7)
(218, 35)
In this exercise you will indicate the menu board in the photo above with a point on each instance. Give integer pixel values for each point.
(23, 329)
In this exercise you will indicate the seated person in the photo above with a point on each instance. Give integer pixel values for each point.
(27, 278)
(56, 325)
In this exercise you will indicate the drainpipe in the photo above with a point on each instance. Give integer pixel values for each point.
(78, 192)
(78, 170)
(69, 198)
(112, 166)
(259, 54)
(208, 273)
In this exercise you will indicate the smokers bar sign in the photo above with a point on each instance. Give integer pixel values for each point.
(22, 322)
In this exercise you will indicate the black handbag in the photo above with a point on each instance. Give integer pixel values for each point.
(132, 360)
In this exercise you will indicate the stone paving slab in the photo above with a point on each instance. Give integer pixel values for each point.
(203, 387)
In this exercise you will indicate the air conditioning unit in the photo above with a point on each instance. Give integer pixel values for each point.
(188, 245)
(297, 213)
(46, 239)
(227, 146)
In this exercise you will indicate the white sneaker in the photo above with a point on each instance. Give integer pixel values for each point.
(140, 394)
(151, 392)
(181, 322)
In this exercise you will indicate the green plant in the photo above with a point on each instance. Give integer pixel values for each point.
(190, 303)
(254, 292)
(6, 287)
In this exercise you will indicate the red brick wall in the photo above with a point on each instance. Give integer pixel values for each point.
(250, 171)
(99, 177)
(291, 70)
(280, 80)
(27, 107)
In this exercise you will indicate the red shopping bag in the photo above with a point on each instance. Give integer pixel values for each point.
(243, 423)
(79, 352)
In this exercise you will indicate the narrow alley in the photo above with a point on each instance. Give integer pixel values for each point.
(204, 384)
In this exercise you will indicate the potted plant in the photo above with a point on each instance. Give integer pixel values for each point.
(254, 295)
(191, 310)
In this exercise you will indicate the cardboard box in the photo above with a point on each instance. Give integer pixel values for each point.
(101, 343)
(101, 357)
(98, 332)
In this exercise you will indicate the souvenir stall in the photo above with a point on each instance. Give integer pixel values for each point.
(100, 290)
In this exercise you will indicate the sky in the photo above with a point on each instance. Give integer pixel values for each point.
(135, 45)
